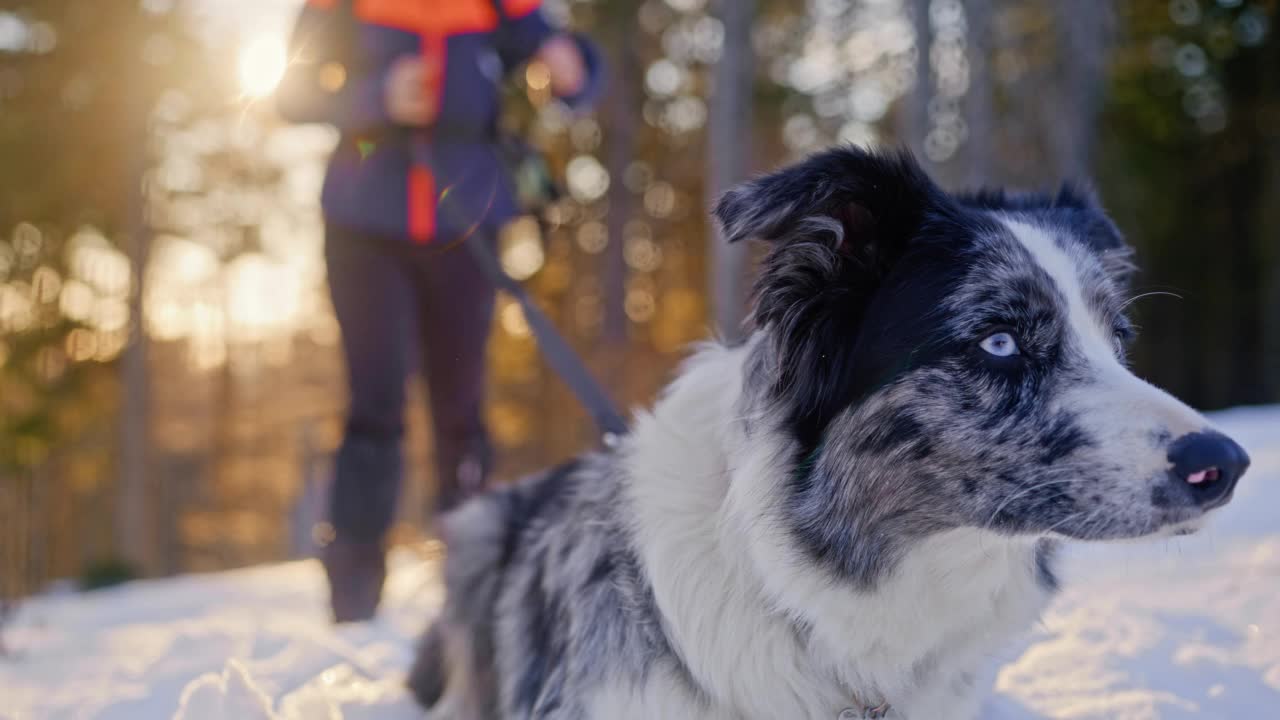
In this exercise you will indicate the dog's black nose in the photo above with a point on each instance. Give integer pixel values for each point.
(1209, 463)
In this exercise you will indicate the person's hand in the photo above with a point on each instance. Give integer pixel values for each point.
(565, 64)
(406, 93)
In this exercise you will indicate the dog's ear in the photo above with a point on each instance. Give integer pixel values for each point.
(1077, 209)
(1089, 222)
(837, 223)
(855, 197)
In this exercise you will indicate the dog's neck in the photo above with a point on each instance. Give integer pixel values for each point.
(763, 631)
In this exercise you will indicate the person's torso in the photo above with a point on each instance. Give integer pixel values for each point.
(455, 36)
(448, 179)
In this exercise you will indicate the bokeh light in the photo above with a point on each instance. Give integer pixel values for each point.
(521, 248)
(587, 178)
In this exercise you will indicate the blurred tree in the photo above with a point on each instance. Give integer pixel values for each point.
(78, 82)
(1268, 118)
(1188, 166)
(913, 130)
(621, 112)
(1083, 32)
(729, 157)
(979, 101)
(1005, 92)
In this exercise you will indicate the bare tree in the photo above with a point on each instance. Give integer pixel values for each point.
(914, 119)
(621, 110)
(1268, 225)
(979, 102)
(1084, 32)
(12, 550)
(8, 610)
(728, 160)
(16, 502)
(133, 524)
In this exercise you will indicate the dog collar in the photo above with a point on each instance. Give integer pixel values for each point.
(866, 713)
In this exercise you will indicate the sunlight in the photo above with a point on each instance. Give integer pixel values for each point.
(262, 65)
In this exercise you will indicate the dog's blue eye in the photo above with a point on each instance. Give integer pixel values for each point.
(1001, 344)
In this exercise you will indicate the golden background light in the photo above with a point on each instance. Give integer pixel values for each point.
(262, 65)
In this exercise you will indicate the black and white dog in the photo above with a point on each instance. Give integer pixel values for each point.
(848, 514)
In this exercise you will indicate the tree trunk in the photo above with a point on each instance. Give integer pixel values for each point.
(728, 160)
(1268, 220)
(1249, 196)
(621, 110)
(914, 118)
(979, 102)
(1084, 29)
(134, 527)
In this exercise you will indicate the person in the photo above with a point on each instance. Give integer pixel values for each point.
(413, 86)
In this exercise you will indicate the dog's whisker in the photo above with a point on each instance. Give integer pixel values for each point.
(1093, 521)
(1023, 493)
(1152, 293)
(1070, 516)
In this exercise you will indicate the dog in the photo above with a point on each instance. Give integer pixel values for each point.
(848, 513)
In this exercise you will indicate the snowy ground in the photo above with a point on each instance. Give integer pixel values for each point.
(1177, 629)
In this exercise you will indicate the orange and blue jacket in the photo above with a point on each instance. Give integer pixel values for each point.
(439, 183)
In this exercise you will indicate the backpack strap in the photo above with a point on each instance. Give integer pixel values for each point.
(500, 35)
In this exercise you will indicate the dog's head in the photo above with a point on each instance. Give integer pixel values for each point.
(952, 361)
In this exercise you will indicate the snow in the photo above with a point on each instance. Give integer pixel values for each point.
(1186, 628)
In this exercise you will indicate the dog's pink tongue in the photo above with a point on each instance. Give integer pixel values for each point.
(1196, 478)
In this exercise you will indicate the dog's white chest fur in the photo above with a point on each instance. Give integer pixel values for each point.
(765, 633)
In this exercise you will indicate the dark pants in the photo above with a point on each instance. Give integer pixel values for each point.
(398, 304)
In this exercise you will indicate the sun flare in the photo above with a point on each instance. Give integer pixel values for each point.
(262, 65)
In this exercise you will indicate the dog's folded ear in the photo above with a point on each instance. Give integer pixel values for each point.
(837, 224)
(851, 196)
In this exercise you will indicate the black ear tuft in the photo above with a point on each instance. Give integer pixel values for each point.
(854, 188)
(1070, 196)
(1080, 210)
(1077, 196)
(1075, 207)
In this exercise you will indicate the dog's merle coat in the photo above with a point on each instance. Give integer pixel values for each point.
(857, 506)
